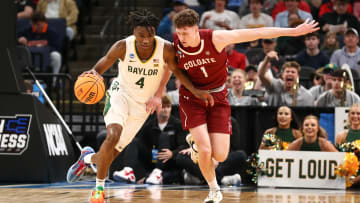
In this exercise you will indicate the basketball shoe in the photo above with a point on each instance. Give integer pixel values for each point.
(127, 175)
(98, 195)
(214, 196)
(194, 153)
(155, 177)
(78, 168)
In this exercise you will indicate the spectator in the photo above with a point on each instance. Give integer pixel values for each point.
(256, 18)
(158, 142)
(317, 90)
(338, 95)
(350, 53)
(40, 35)
(267, 7)
(312, 139)
(292, 6)
(317, 78)
(166, 27)
(174, 94)
(315, 7)
(329, 7)
(219, 18)
(25, 8)
(284, 91)
(285, 130)
(281, 6)
(356, 9)
(312, 56)
(339, 20)
(235, 96)
(61, 9)
(330, 43)
(251, 73)
(236, 59)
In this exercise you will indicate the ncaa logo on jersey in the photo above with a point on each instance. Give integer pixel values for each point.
(207, 53)
(132, 55)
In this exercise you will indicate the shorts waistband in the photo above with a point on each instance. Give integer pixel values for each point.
(218, 89)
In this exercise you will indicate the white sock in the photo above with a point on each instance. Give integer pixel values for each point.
(100, 182)
(213, 184)
(87, 158)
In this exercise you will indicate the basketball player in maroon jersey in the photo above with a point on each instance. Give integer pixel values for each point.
(202, 57)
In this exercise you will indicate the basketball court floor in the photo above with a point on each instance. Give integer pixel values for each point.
(121, 192)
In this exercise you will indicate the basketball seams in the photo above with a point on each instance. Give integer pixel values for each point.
(95, 81)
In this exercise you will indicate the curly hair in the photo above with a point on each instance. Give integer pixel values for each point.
(144, 18)
(187, 17)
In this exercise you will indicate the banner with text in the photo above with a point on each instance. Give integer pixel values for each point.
(301, 169)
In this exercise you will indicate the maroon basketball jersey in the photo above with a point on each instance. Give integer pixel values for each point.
(206, 67)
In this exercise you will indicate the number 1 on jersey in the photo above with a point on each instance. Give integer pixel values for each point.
(140, 82)
(204, 71)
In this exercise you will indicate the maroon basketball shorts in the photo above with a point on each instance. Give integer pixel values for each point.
(193, 112)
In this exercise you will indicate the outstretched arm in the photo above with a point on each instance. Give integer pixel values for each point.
(265, 79)
(170, 58)
(222, 38)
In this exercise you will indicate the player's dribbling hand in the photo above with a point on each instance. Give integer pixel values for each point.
(205, 96)
(91, 72)
(307, 27)
(153, 104)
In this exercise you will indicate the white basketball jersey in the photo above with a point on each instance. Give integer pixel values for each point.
(138, 78)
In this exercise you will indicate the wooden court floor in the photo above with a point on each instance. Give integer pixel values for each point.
(115, 192)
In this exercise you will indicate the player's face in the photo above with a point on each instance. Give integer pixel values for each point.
(310, 127)
(144, 37)
(290, 75)
(188, 35)
(284, 117)
(354, 115)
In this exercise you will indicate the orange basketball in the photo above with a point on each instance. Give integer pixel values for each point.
(89, 89)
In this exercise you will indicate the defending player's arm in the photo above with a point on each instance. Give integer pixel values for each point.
(116, 51)
(170, 59)
(222, 38)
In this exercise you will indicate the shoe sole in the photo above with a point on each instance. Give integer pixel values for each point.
(76, 178)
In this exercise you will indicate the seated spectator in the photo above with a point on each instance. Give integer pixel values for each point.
(256, 18)
(297, 43)
(312, 56)
(174, 94)
(251, 76)
(40, 35)
(166, 27)
(325, 73)
(350, 53)
(330, 43)
(356, 9)
(339, 20)
(156, 148)
(61, 9)
(235, 96)
(285, 91)
(338, 95)
(281, 6)
(292, 6)
(286, 129)
(25, 8)
(353, 133)
(236, 59)
(219, 18)
(267, 7)
(317, 78)
(329, 7)
(312, 139)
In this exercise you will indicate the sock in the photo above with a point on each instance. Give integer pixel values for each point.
(213, 184)
(100, 182)
(87, 158)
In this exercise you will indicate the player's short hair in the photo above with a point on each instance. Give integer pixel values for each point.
(187, 17)
(143, 18)
(291, 64)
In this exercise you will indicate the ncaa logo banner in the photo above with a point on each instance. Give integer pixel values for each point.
(301, 169)
(14, 134)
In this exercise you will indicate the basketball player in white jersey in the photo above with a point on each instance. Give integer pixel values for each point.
(132, 96)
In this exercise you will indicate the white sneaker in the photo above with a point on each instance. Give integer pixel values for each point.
(214, 196)
(233, 180)
(190, 179)
(194, 152)
(155, 177)
(127, 174)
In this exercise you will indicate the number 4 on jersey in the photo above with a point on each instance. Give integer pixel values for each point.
(140, 82)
